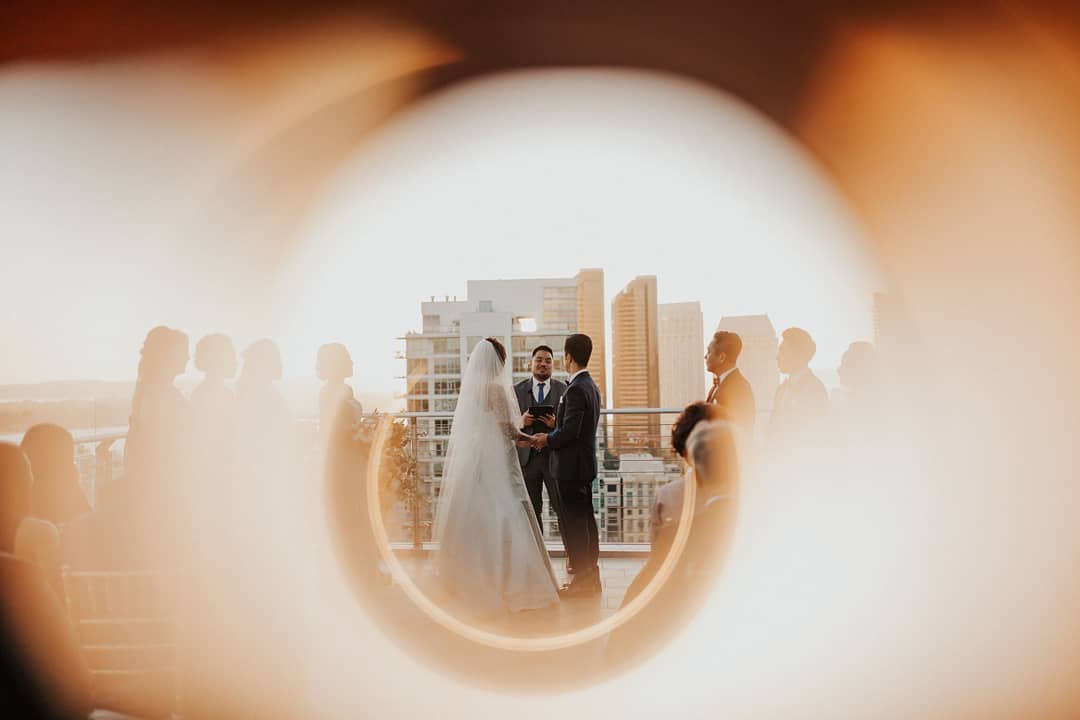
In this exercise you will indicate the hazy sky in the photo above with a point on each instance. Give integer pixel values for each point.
(546, 173)
(532, 175)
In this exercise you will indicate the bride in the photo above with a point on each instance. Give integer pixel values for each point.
(490, 555)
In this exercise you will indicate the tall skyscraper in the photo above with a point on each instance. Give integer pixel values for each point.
(635, 364)
(682, 350)
(757, 361)
(590, 320)
(682, 364)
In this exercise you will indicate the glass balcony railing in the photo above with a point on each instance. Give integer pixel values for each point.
(634, 459)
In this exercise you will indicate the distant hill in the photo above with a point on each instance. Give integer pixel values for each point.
(68, 390)
(78, 404)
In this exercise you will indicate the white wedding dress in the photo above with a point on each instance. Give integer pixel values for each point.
(491, 556)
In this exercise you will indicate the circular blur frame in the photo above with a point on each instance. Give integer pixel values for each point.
(495, 640)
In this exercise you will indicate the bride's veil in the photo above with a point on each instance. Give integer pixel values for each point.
(485, 411)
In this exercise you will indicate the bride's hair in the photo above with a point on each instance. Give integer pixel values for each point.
(500, 349)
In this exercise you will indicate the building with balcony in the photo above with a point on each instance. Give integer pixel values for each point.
(523, 313)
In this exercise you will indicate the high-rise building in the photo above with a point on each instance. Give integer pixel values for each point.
(757, 361)
(682, 364)
(522, 313)
(590, 320)
(682, 351)
(635, 365)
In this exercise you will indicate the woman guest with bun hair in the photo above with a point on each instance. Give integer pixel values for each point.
(338, 408)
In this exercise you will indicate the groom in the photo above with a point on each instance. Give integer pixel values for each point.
(573, 445)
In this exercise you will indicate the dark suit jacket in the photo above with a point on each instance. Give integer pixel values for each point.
(523, 390)
(736, 397)
(574, 438)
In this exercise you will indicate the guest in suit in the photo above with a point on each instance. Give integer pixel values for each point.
(540, 389)
(801, 400)
(858, 378)
(730, 391)
(574, 444)
(57, 496)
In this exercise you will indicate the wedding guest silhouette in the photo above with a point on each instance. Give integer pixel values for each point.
(667, 506)
(339, 411)
(215, 356)
(57, 495)
(712, 452)
(270, 533)
(858, 377)
(801, 400)
(730, 390)
(46, 651)
(157, 445)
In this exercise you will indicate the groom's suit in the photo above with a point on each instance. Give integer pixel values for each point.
(536, 464)
(573, 445)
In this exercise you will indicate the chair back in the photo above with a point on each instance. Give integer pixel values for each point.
(127, 625)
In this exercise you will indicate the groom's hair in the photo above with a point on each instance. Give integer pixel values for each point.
(579, 347)
(500, 349)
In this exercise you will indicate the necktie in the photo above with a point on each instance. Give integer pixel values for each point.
(540, 394)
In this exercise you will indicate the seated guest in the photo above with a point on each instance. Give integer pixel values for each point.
(30, 539)
(37, 542)
(667, 507)
(712, 453)
(34, 618)
(57, 495)
(17, 490)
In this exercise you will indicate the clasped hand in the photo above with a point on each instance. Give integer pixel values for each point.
(536, 442)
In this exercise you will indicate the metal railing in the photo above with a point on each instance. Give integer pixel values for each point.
(634, 459)
(97, 457)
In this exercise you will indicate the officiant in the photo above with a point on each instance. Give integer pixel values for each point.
(538, 396)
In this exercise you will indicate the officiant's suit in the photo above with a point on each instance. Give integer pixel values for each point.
(536, 464)
(573, 445)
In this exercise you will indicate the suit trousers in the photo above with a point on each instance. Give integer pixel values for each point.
(538, 475)
(577, 523)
